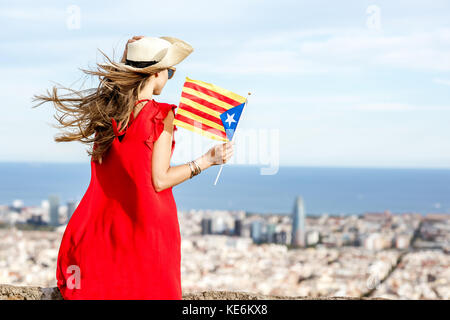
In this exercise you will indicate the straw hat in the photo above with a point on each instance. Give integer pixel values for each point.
(150, 54)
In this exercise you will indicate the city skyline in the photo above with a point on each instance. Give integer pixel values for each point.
(375, 255)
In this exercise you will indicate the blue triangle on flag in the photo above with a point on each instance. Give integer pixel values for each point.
(230, 119)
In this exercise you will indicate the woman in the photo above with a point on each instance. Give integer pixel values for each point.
(123, 240)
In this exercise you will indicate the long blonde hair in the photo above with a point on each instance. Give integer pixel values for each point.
(88, 112)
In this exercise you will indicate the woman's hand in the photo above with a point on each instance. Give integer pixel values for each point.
(124, 57)
(220, 153)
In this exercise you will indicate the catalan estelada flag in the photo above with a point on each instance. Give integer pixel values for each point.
(210, 110)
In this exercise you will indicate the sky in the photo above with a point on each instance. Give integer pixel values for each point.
(332, 83)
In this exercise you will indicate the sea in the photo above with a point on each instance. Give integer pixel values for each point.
(325, 190)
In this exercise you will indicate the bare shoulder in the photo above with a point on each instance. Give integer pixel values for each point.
(170, 114)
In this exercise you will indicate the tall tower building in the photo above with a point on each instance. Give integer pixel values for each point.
(238, 227)
(71, 206)
(256, 231)
(271, 233)
(298, 223)
(54, 208)
(206, 226)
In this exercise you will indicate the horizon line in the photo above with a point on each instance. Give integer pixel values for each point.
(256, 165)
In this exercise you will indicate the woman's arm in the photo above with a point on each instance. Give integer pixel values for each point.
(163, 175)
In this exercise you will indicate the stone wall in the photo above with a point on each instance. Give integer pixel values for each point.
(8, 292)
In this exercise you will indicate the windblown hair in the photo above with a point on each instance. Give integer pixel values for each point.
(87, 113)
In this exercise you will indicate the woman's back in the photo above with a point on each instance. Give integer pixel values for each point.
(123, 240)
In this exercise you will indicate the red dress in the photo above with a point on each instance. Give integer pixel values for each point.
(123, 240)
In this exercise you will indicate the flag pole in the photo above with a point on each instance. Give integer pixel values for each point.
(232, 139)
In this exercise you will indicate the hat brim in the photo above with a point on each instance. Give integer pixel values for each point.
(176, 53)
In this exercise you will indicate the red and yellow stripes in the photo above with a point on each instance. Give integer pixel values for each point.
(200, 107)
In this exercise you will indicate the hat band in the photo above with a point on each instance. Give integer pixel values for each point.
(140, 64)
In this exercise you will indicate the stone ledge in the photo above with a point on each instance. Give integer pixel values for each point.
(9, 292)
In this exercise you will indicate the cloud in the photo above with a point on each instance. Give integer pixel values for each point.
(395, 106)
(263, 62)
(310, 100)
(320, 51)
(36, 14)
(132, 13)
(445, 82)
(339, 103)
(342, 103)
(427, 51)
(59, 50)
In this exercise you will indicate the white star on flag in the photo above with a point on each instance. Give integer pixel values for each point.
(230, 119)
